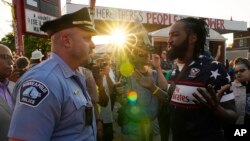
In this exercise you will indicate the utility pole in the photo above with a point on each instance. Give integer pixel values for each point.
(17, 33)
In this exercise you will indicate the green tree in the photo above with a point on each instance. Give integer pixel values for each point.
(9, 41)
(31, 43)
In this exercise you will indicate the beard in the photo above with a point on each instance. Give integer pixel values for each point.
(178, 51)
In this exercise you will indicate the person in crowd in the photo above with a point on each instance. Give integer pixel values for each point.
(36, 58)
(103, 80)
(137, 116)
(92, 90)
(6, 98)
(52, 102)
(196, 113)
(22, 65)
(231, 69)
(85, 70)
(165, 63)
(194, 74)
(218, 53)
(163, 114)
(241, 90)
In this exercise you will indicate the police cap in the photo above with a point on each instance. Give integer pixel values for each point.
(80, 19)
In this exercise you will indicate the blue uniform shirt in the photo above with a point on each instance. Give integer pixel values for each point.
(50, 105)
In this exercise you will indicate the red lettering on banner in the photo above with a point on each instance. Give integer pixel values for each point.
(166, 18)
(215, 23)
(154, 18)
(157, 18)
(148, 17)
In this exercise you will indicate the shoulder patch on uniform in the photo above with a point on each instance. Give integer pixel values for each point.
(33, 92)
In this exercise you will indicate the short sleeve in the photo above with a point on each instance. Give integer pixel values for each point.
(36, 112)
(219, 77)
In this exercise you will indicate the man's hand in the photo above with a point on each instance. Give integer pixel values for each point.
(145, 81)
(99, 127)
(156, 61)
(211, 99)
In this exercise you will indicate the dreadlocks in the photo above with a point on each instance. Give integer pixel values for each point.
(198, 27)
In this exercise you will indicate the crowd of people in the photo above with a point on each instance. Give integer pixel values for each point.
(178, 95)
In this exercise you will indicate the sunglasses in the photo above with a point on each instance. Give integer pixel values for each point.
(6, 57)
(239, 71)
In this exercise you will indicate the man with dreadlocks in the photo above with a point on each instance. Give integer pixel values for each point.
(196, 111)
(200, 102)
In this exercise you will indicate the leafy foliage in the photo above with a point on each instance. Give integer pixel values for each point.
(9, 41)
(31, 43)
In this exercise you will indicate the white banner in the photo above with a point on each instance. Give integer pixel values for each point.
(34, 20)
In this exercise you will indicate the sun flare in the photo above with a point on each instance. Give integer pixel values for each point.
(118, 37)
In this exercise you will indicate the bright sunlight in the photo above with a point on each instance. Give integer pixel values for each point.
(118, 37)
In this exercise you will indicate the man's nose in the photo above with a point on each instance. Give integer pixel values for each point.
(92, 45)
(169, 41)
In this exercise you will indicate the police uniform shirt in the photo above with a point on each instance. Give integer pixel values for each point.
(188, 120)
(50, 105)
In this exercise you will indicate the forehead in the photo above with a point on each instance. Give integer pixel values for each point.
(240, 66)
(177, 27)
(76, 31)
(5, 50)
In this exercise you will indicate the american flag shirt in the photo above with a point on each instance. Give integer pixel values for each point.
(188, 120)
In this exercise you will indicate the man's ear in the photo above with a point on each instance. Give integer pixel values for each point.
(193, 38)
(65, 40)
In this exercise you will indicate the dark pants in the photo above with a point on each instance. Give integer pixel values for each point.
(107, 132)
(164, 121)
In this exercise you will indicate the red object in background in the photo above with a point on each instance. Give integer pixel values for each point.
(19, 25)
(37, 11)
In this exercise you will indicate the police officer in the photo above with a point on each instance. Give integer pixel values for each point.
(52, 102)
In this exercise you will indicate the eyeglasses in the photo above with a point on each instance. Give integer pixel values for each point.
(239, 71)
(6, 57)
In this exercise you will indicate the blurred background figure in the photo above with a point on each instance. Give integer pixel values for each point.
(139, 107)
(22, 65)
(6, 99)
(100, 70)
(241, 90)
(36, 58)
(165, 63)
(218, 53)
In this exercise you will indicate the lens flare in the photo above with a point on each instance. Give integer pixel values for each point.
(135, 110)
(132, 97)
(118, 37)
(126, 69)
